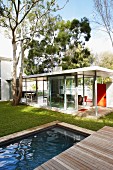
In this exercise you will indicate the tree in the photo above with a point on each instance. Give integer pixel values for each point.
(105, 60)
(72, 37)
(77, 58)
(23, 19)
(104, 17)
(63, 44)
(43, 53)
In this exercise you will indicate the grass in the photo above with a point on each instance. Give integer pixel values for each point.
(18, 118)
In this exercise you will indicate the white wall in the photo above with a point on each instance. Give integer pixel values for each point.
(109, 95)
(6, 70)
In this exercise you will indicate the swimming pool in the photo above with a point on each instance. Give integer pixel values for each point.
(32, 151)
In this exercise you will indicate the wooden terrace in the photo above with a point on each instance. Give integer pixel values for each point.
(93, 153)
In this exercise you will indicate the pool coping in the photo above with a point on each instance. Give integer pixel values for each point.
(10, 138)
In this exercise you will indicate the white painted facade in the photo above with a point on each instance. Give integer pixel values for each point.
(109, 95)
(6, 71)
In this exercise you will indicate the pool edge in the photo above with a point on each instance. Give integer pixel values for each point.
(9, 138)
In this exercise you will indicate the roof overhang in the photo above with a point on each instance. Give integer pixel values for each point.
(86, 71)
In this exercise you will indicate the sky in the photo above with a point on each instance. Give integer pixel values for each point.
(99, 41)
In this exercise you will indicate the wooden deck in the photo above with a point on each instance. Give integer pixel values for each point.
(94, 152)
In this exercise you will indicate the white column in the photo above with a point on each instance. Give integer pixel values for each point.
(95, 93)
(83, 90)
(65, 99)
(36, 91)
(76, 92)
(26, 89)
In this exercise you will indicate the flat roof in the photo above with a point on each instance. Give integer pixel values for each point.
(86, 71)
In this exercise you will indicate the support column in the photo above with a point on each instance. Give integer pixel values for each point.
(43, 90)
(95, 94)
(26, 89)
(65, 99)
(83, 90)
(36, 91)
(76, 92)
(49, 92)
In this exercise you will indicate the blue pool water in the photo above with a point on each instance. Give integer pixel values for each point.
(30, 152)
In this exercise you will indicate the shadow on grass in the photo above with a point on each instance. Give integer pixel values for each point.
(17, 118)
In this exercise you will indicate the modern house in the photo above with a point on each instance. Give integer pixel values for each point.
(69, 88)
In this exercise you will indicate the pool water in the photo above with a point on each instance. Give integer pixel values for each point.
(30, 152)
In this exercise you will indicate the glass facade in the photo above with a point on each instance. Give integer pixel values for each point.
(56, 92)
(70, 92)
(61, 92)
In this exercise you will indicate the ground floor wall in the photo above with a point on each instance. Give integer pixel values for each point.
(109, 94)
(5, 83)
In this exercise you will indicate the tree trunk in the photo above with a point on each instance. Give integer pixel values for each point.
(14, 87)
(17, 85)
(21, 72)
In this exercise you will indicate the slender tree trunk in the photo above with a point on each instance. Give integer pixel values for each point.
(21, 73)
(17, 87)
(14, 88)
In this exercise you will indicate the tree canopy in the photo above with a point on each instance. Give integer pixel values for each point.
(63, 44)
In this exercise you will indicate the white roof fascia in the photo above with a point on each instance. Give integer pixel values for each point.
(100, 70)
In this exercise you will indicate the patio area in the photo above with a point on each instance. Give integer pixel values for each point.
(83, 111)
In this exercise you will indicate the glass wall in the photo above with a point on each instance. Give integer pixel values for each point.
(70, 92)
(56, 92)
(62, 92)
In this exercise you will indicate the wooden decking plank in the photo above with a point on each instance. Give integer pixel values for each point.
(79, 156)
(99, 143)
(87, 159)
(98, 155)
(90, 159)
(102, 149)
(106, 133)
(64, 163)
(103, 142)
(96, 149)
(46, 166)
(51, 165)
(58, 165)
(71, 161)
(75, 161)
(106, 128)
(103, 135)
(55, 164)
(67, 162)
(39, 168)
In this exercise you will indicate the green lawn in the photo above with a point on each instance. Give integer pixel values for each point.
(17, 118)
